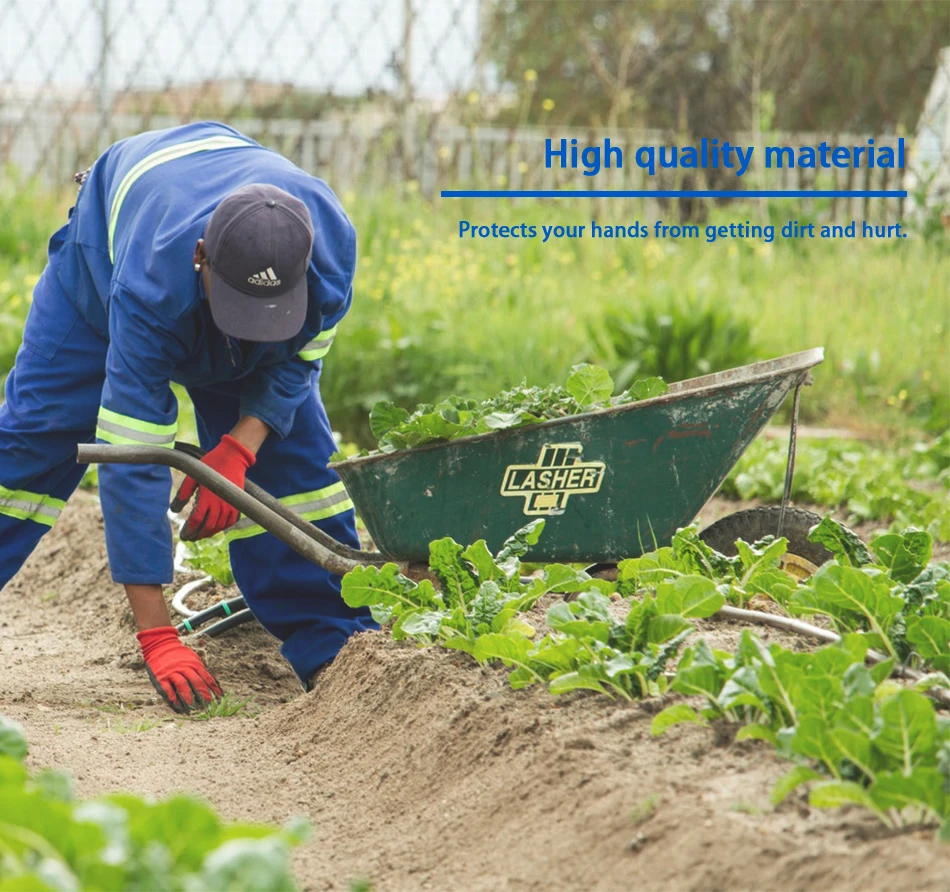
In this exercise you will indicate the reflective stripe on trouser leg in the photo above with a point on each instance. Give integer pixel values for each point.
(24, 505)
(316, 505)
(294, 599)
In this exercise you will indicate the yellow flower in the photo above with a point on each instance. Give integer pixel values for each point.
(30, 280)
(412, 186)
(531, 75)
(548, 104)
(522, 167)
(902, 395)
(444, 152)
(501, 179)
(472, 98)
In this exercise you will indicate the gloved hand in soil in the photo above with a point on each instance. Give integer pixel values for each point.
(177, 671)
(211, 513)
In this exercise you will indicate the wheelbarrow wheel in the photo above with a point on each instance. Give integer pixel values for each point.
(802, 558)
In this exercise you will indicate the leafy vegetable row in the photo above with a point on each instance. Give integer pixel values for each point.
(855, 736)
(909, 488)
(587, 388)
(48, 840)
(624, 638)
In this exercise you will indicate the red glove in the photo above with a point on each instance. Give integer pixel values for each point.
(177, 671)
(211, 513)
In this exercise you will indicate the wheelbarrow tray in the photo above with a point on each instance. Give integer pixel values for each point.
(611, 483)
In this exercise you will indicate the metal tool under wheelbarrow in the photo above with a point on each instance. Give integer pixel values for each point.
(611, 483)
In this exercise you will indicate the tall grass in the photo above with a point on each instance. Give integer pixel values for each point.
(434, 314)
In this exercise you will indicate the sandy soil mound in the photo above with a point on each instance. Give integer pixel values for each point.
(418, 769)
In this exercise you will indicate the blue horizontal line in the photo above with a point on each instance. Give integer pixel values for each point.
(674, 193)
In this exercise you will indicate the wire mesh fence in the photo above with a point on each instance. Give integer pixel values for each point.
(438, 92)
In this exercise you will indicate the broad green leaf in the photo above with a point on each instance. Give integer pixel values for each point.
(649, 569)
(12, 773)
(788, 782)
(742, 689)
(517, 546)
(812, 738)
(521, 678)
(699, 672)
(756, 732)
(840, 591)
(665, 627)
(556, 655)
(562, 579)
(515, 625)
(384, 416)
(855, 747)
(847, 548)
(858, 681)
(759, 564)
(455, 578)
(674, 715)
(478, 555)
(645, 389)
(422, 623)
(836, 793)
(908, 732)
(573, 681)
(930, 636)
(904, 554)
(387, 587)
(510, 649)
(925, 590)
(922, 788)
(590, 384)
(689, 596)
(12, 739)
(695, 556)
(882, 670)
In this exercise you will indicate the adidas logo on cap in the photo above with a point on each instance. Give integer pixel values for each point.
(267, 278)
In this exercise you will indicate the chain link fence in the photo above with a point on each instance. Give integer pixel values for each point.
(373, 93)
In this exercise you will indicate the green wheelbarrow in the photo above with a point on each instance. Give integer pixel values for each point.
(611, 484)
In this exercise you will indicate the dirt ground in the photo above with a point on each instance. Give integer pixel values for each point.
(418, 769)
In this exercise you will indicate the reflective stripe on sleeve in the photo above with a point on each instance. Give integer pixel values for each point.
(319, 346)
(169, 153)
(316, 505)
(33, 506)
(124, 430)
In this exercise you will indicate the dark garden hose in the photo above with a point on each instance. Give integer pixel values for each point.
(278, 507)
(221, 609)
(272, 521)
(229, 622)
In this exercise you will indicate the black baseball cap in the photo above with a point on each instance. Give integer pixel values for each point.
(258, 242)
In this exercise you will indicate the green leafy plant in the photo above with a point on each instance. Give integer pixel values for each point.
(857, 737)
(479, 606)
(49, 840)
(910, 487)
(674, 338)
(211, 556)
(588, 387)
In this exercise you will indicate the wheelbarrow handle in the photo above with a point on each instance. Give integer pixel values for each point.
(261, 514)
(278, 507)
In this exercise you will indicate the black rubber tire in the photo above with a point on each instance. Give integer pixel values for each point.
(756, 523)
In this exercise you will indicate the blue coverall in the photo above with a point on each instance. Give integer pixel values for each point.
(118, 314)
